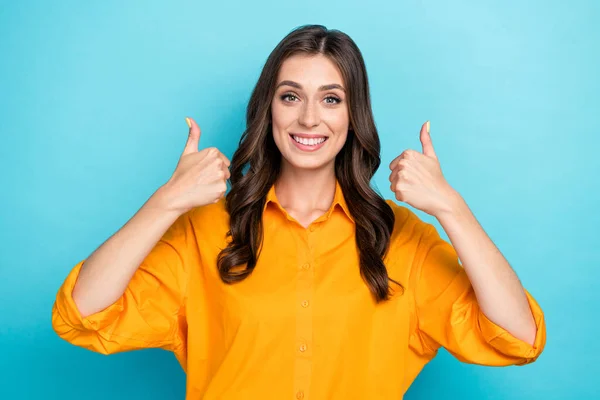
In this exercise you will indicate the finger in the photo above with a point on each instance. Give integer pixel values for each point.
(224, 166)
(217, 154)
(226, 163)
(426, 141)
(395, 162)
(225, 160)
(406, 154)
(393, 178)
(394, 185)
(193, 137)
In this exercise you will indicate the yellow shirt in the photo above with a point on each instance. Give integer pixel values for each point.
(304, 324)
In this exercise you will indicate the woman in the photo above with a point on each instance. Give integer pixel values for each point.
(302, 282)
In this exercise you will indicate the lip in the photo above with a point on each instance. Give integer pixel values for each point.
(308, 135)
(307, 148)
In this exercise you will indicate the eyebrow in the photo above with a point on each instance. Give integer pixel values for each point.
(322, 88)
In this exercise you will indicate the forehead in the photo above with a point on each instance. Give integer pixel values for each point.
(310, 70)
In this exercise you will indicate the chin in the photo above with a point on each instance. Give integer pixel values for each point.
(308, 164)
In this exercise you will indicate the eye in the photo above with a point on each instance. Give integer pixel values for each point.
(336, 100)
(287, 95)
(290, 97)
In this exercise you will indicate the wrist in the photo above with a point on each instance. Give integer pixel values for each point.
(454, 205)
(161, 200)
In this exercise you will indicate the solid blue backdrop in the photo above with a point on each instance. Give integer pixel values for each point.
(93, 97)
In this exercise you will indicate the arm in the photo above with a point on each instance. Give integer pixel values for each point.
(106, 272)
(448, 312)
(479, 312)
(498, 290)
(130, 294)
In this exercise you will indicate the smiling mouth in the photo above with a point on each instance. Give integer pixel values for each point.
(309, 141)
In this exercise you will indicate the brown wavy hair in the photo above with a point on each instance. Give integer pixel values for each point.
(256, 163)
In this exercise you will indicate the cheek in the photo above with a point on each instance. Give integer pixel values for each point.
(281, 115)
(340, 124)
(278, 126)
(339, 121)
(341, 141)
(338, 140)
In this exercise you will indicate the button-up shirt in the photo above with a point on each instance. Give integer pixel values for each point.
(304, 324)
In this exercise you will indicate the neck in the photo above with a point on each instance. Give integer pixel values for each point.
(305, 190)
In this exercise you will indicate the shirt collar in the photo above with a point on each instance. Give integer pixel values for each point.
(338, 200)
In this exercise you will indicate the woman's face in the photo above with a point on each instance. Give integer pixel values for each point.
(310, 113)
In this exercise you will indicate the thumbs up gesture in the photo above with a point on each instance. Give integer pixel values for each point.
(417, 179)
(200, 176)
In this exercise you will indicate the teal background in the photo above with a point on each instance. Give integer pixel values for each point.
(93, 97)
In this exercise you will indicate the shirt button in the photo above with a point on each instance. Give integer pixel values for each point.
(312, 228)
(305, 303)
(300, 394)
(306, 266)
(302, 347)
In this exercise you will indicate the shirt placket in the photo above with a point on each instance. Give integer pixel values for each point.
(304, 314)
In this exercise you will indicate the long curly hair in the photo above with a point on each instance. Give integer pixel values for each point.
(256, 163)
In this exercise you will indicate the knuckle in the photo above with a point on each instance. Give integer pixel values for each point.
(398, 192)
(409, 154)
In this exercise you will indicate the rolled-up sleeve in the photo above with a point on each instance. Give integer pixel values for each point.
(150, 312)
(449, 315)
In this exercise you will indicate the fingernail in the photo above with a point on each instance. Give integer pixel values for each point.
(428, 126)
(187, 120)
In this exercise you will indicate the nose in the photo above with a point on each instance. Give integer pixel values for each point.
(309, 115)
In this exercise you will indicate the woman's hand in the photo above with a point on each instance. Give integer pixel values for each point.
(417, 179)
(200, 177)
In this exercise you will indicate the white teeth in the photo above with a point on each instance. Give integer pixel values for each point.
(308, 142)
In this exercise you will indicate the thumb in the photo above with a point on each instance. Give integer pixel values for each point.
(426, 141)
(193, 138)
